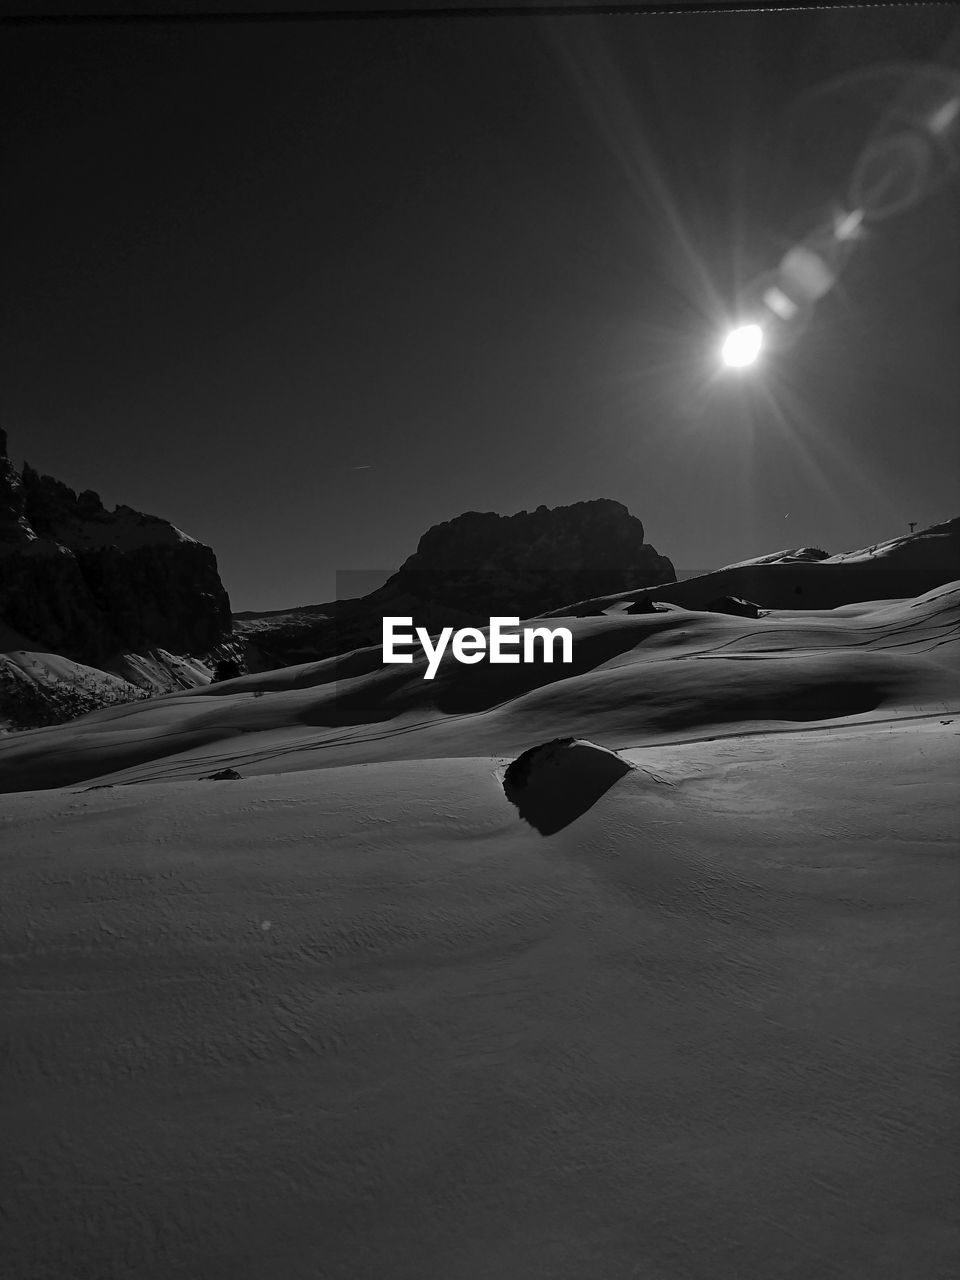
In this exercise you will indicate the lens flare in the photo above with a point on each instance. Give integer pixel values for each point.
(901, 123)
(742, 346)
(847, 226)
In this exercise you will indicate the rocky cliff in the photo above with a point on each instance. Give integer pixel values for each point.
(87, 583)
(488, 564)
(469, 569)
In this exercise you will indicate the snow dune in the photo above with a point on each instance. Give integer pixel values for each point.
(636, 678)
(901, 567)
(367, 1022)
(675, 998)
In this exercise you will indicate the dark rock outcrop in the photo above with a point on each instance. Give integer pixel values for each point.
(487, 565)
(555, 783)
(14, 526)
(735, 606)
(87, 583)
(646, 604)
(466, 571)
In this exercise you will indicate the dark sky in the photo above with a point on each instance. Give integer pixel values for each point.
(485, 260)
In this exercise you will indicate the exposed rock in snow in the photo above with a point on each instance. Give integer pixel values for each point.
(554, 783)
(735, 606)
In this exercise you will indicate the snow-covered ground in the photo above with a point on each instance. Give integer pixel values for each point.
(36, 686)
(352, 1015)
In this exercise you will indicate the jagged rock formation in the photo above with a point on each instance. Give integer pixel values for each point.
(14, 527)
(488, 564)
(88, 583)
(470, 569)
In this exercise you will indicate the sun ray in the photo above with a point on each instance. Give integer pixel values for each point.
(605, 96)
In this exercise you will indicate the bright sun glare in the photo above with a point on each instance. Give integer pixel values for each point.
(742, 346)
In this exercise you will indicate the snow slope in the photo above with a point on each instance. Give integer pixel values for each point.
(635, 679)
(366, 1022)
(901, 567)
(37, 687)
(676, 999)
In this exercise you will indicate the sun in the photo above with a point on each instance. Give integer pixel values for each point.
(742, 346)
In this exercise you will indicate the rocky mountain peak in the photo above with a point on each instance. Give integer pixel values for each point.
(87, 583)
(487, 563)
